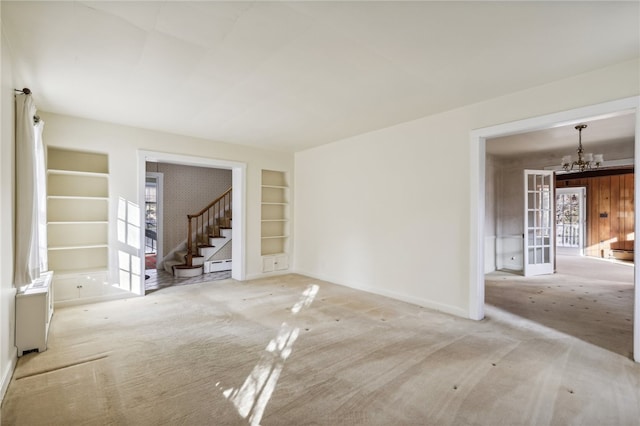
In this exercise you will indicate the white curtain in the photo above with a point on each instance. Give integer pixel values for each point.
(30, 190)
(41, 189)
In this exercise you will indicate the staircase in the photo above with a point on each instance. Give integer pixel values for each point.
(209, 231)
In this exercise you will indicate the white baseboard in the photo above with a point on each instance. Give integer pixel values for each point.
(7, 374)
(441, 307)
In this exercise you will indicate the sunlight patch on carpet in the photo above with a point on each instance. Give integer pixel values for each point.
(252, 397)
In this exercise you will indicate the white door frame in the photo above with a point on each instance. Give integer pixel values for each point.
(238, 203)
(477, 192)
(159, 177)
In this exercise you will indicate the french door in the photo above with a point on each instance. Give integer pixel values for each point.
(538, 222)
(570, 221)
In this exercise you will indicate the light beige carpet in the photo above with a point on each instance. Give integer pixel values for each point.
(587, 298)
(298, 351)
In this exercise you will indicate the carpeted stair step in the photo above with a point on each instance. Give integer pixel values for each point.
(206, 251)
(217, 241)
(196, 259)
(184, 271)
(169, 264)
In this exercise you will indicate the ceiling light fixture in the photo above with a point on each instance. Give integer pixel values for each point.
(584, 162)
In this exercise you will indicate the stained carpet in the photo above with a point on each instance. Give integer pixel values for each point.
(292, 350)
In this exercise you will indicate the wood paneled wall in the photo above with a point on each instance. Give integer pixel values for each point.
(609, 212)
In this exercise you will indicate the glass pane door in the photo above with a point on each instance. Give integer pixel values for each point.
(570, 220)
(538, 222)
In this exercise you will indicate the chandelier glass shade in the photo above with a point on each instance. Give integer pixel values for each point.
(585, 161)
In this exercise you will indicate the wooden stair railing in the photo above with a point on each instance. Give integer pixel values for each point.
(215, 216)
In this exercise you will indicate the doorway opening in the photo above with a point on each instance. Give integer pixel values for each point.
(479, 173)
(237, 205)
(570, 221)
(198, 218)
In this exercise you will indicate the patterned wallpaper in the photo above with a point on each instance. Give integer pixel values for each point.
(187, 189)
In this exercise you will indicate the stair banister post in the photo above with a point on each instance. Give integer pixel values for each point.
(202, 230)
(189, 243)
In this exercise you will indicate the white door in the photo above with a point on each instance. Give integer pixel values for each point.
(570, 223)
(538, 222)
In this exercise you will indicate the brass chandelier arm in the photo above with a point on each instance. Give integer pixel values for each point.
(584, 161)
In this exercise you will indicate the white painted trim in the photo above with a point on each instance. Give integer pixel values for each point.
(476, 216)
(559, 119)
(478, 139)
(7, 374)
(636, 245)
(238, 234)
(238, 177)
(441, 307)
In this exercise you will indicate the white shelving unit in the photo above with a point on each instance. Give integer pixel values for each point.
(77, 217)
(275, 221)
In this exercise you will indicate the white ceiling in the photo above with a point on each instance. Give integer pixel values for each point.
(292, 75)
(601, 132)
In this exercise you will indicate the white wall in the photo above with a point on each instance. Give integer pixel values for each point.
(390, 211)
(510, 214)
(8, 352)
(122, 144)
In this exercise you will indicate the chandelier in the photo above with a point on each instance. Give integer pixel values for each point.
(584, 162)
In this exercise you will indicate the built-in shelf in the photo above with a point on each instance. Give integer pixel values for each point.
(76, 173)
(81, 222)
(74, 260)
(79, 247)
(61, 159)
(82, 271)
(275, 262)
(75, 197)
(77, 211)
(275, 218)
